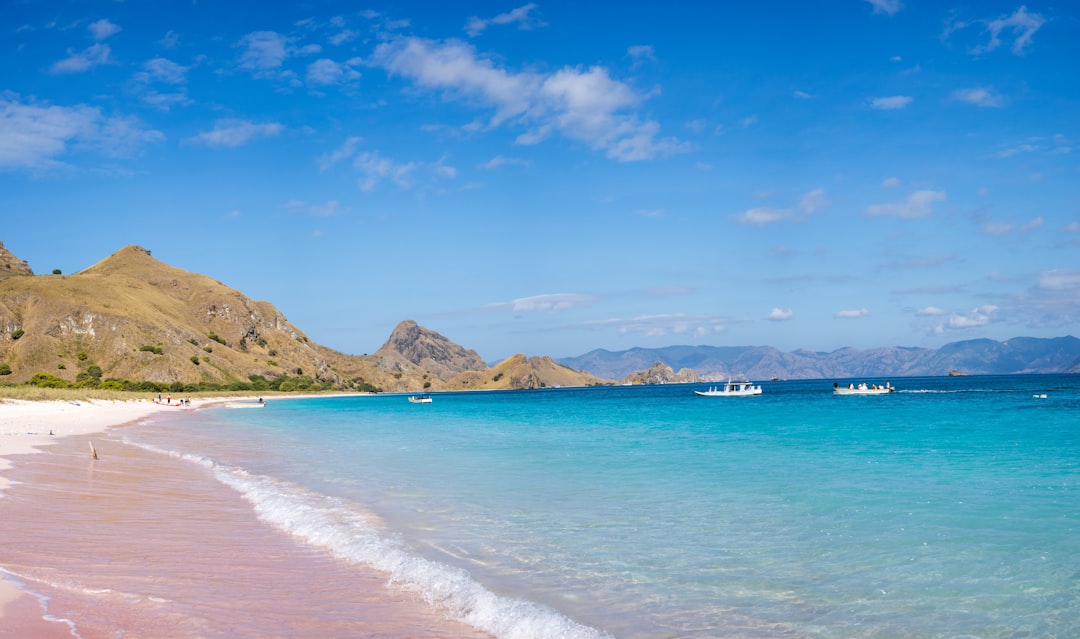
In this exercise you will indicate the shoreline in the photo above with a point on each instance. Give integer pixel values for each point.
(28, 427)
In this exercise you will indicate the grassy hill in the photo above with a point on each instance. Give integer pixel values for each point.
(133, 318)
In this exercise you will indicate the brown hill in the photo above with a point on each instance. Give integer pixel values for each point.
(518, 372)
(413, 349)
(136, 318)
(139, 319)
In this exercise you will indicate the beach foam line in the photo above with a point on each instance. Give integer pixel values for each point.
(351, 535)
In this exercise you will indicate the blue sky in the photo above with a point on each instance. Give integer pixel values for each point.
(553, 177)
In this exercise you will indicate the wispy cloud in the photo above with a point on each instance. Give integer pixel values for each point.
(779, 314)
(641, 53)
(585, 105)
(808, 203)
(325, 72)
(549, 303)
(979, 96)
(500, 161)
(330, 208)
(1022, 25)
(263, 54)
(1019, 27)
(889, 7)
(663, 325)
(929, 311)
(851, 314)
(103, 29)
(523, 16)
(375, 168)
(234, 133)
(918, 204)
(991, 227)
(891, 103)
(79, 61)
(161, 71)
(35, 135)
(344, 152)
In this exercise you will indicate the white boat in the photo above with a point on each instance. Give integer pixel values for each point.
(863, 389)
(421, 398)
(731, 389)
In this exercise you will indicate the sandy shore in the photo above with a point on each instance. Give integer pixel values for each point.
(109, 526)
(26, 427)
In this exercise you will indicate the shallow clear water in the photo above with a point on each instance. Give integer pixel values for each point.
(949, 508)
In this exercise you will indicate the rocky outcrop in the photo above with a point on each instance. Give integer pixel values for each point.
(661, 373)
(413, 348)
(11, 265)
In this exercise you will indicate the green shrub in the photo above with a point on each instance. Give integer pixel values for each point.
(219, 340)
(156, 350)
(44, 380)
(82, 356)
(17, 333)
(5, 369)
(195, 360)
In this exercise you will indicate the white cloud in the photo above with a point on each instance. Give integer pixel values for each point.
(163, 71)
(549, 303)
(978, 96)
(33, 135)
(890, 7)
(327, 72)
(980, 316)
(263, 51)
(376, 168)
(167, 71)
(851, 314)
(642, 52)
(918, 204)
(802, 95)
(1006, 228)
(234, 133)
(891, 182)
(585, 105)
(103, 29)
(77, 62)
(522, 16)
(500, 161)
(808, 203)
(779, 314)
(929, 311)
(891, 103)
(663, 325)
(1022, 26)
(344, 152)
(1059, 280)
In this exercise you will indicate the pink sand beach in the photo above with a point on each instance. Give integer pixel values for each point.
(133, 544)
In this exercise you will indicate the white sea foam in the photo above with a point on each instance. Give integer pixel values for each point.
(350, 535)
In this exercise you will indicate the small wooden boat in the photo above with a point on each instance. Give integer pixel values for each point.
(420, 398)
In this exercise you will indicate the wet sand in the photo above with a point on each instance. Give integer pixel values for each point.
(138, 544)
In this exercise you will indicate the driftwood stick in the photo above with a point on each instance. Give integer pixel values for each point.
(92, 450)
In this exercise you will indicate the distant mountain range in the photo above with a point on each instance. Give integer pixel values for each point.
(1020, 355)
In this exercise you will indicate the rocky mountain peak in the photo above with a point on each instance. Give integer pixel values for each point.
(412, 345)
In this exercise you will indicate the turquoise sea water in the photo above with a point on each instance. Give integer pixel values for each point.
(950, 508)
